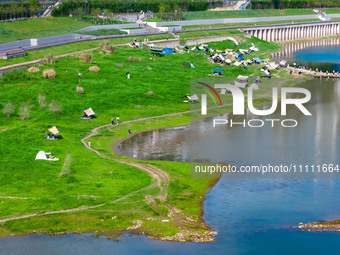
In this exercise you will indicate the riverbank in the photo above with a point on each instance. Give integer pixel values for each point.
(103, 193)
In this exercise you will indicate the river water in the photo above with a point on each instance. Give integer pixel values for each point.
(251, 215)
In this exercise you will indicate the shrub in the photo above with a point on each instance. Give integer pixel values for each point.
(24, 111)
(186, 63)
(86, 58)
(111, 48)
(80, 90)
(131, 59)
(140, 59)
(48, 74)
(150, 68)
(120, 65)
(48, 59)
(9, 109)
(33, 70)
(42, 101)
(94, 68)
(55, 106)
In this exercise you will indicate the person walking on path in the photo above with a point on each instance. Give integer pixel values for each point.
(129, 131)
(117, 120)
(113, 120)
(89, 144)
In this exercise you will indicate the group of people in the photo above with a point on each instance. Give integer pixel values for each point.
(50, 137)
(113, 120)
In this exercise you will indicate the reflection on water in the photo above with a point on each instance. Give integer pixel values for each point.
(314, 140)
(321, 54)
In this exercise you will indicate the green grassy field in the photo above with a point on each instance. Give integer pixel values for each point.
(247, 24)
(104, 32)
(73, 47)
(37, 28)
(29, 186)
(250, 13)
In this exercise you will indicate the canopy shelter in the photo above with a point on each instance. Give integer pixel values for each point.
(89, 112)
(257, 60)
(237, 63)
(228, 61)
(254, 86)
(167, 51)
(217, 70)
(55, 133)
(45, 156)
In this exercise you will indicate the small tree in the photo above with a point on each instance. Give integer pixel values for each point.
(48, 59)
(42, 100)
(86, 58)
(24, 111)
(80, 90)
(9, 109)
(55, 106)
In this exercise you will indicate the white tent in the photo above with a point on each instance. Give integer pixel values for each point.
(273, 65)
(242, 78)
(228, 61)
(194, 97)
(237, 63)
(193, 48)
(254, 86)
(89, 112)
(42, 155)
(221, 57)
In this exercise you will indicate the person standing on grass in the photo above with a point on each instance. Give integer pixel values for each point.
(113, 120)
(89, 144)
(117, 120)
(129, 131)
(79, 76)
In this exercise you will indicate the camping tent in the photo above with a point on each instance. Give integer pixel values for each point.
(242, 78)
(167, 51)
(237, 63)
(257, 60)
(273, 66)
(89, 112)
(42, 156)
(194, 97)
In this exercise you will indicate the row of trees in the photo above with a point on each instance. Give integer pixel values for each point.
(121, 7)
(286, 4)
(19, 10)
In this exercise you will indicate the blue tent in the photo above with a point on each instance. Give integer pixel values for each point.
(167, 51)
(240, 56)
(218, 70)
(257, 60)
(38, 14)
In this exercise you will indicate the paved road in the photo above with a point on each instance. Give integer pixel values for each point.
(71, 38)
(215, 21)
